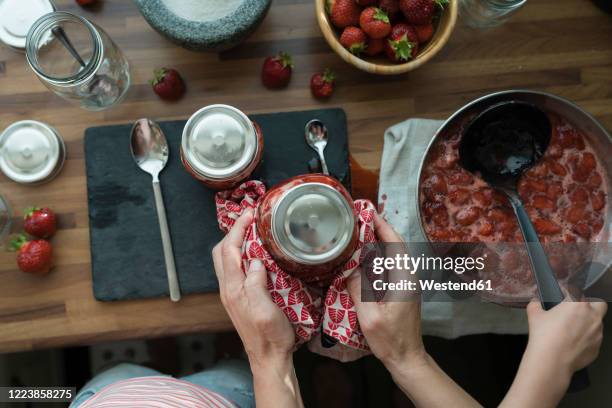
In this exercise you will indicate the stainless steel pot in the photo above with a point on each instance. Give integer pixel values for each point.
(583, 121)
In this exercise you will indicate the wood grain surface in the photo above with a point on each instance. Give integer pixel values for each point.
(559, 46)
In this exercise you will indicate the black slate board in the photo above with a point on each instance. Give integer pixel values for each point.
(126, 250)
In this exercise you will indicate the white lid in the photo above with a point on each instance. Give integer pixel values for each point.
(16, 18)
(29, 151)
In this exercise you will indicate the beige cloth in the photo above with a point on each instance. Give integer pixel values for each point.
(404, 147)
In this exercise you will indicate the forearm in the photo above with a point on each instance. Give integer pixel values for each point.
(427, 385)
(275, 383)
(538, 383)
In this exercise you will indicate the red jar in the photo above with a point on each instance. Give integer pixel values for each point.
(221, 146)
(308, 225)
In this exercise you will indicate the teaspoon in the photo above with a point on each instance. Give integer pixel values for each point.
(316, 137)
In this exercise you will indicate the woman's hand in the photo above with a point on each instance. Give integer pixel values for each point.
(264, 329)
(392, 329)
(562, 340)
(569, 334)
(266, 333)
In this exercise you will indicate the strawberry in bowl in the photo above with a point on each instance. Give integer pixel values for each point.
(373, 35)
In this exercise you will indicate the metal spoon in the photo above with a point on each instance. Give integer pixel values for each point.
(316, 137)
(60, 34)
(150, 152)
(502, 143)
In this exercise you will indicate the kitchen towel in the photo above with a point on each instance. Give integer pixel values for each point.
(404, 148)
(309, 310)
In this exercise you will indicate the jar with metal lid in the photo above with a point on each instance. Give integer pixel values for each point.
(308, 225)
(221, 146)
(31, 152)
(16, 18)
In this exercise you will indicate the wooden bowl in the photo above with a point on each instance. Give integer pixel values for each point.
(381, 65)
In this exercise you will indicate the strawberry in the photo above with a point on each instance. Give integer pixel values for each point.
(86, 3)
(343, 13)
(33, 256)
(424, 32)
(168, 84)
(39, 222)
(391, 7)
(353, 39)
(402, 44)
(366, 3)
(420, 12)
(375, 46)
(322, 85)
(375, 22)
(276, 71)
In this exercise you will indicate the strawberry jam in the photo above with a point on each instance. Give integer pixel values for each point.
(564, 194)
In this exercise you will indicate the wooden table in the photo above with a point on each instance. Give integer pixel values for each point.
(559, 46)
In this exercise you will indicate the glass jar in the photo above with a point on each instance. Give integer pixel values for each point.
(77, 60)
(221, 146)
(488, 13)
(308, 225)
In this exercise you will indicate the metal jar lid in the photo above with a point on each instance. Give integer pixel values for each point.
(16, 18)
(312, 223)
(30, 152)
(219, 141)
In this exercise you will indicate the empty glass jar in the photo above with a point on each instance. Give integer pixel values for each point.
(488, 13)
(77, 60)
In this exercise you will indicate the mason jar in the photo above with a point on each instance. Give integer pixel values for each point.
(77, 60)
(488, 13)
(308, 225)
(221, 146)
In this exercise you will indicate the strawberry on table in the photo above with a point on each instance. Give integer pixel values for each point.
(402, 44)
(322, 84)
(374, 46)
(39, 222)
(420, 12)
(33, 256)
(168, 84)
(343, 13)
(375, 22)
(276, 71)
(424, 32)
(354, 40)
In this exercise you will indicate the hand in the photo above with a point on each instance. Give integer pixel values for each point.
(562, 340)
(265, 331)
(392, 329)
(570, 333)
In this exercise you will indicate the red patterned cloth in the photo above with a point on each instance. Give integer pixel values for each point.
(307, 308)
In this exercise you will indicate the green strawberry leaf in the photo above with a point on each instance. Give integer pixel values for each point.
(29, 211)
(17, 242)
(402, 48)
(380, 14)
(357, 48)
(441, 3)
(285, 59)
(158, 76)
(329, 76)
